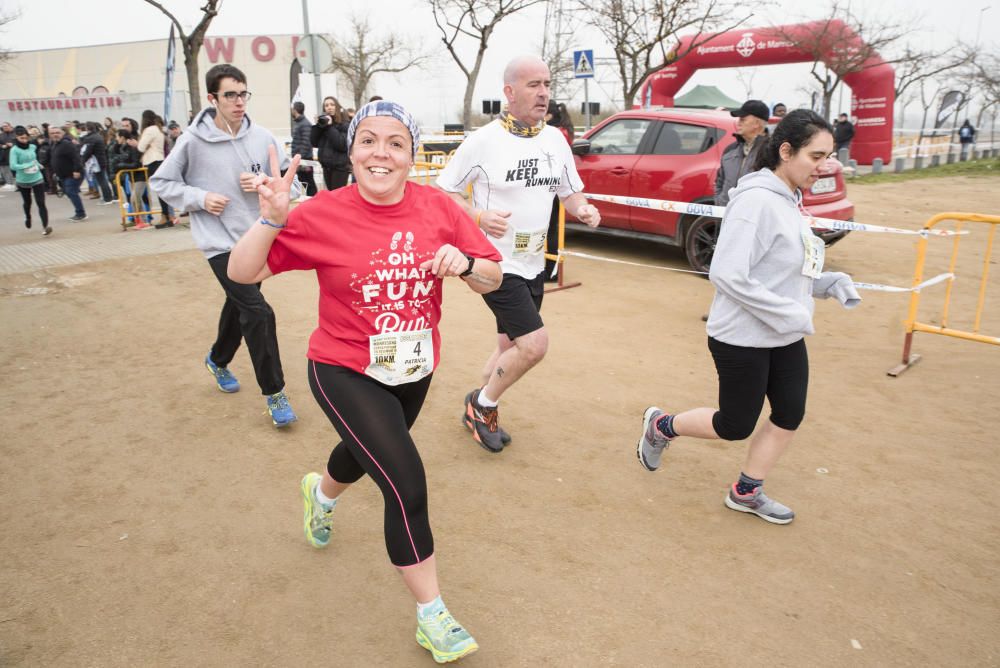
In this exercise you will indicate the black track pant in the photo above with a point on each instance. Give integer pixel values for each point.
(374, 422)
(747, 375)
(39, 190)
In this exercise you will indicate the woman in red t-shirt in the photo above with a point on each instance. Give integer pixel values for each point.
(380, 249)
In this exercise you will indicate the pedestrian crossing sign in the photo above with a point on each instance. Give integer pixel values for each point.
(583, 64)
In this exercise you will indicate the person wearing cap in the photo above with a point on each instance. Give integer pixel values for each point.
(739, 158)
(779, 110)
(515, 164)
(380, 248)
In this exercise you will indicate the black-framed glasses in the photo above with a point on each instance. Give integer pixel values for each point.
(231, 95)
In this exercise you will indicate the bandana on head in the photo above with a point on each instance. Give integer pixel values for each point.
(384, 108)
(517, 128)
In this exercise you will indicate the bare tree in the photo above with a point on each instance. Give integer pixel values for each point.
(362, 55)
(191, 44)
(558, 44)
(6, 18)
(475, 19)
(916, 65)
(844, 44)
(643, 33)
(746, 75)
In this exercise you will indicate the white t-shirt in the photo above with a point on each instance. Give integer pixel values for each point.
(516, 174)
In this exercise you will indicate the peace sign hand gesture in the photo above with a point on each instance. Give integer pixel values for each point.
(273, 191)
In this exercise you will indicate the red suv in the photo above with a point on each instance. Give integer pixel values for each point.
(673, 154)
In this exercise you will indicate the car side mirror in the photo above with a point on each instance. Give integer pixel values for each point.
(581, 147)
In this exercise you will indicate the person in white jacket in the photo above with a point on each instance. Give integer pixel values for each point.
(767, 268)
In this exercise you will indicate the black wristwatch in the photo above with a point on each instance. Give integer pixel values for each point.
(469, 269)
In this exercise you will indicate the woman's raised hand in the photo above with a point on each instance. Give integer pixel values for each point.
(273, 192)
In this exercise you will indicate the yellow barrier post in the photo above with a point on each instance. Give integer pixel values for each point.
(912, 325)
(560, 258)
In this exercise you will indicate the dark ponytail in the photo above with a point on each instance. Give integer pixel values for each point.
(796, 129)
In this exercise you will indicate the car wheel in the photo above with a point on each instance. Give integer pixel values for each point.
(699, 242)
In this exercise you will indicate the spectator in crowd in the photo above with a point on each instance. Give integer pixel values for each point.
(843, 132)
(28, 177)
(173, 133)
(68, 168)
(779, 110)
(121, 156)
(151, 143)
(375, 98)
(739, 158)
(966, 137)
(131, 125)
(329, 135)
(301, 146)
(92, 146)
(109, 131)
(6, 143)
(44, 153)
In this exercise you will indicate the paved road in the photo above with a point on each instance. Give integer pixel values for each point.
(98, 238)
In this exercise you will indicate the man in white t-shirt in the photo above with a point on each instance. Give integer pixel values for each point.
(514, 165)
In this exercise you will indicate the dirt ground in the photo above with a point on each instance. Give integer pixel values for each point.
(150, 520)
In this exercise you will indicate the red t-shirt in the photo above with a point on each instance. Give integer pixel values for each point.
(367, 260)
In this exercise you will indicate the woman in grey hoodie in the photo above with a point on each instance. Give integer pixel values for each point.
(767, 268)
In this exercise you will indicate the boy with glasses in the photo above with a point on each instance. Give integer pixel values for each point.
(210, 173)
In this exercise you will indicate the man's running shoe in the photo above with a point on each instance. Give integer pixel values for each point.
(485, 426)
(78, 218)
(47, 230)
(442, 636)
(467, 421)
(318, 518)
(652, 443)
(224, 378)
(760, 505)
(281, 412)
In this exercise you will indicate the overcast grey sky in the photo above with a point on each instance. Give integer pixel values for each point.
(61, 23)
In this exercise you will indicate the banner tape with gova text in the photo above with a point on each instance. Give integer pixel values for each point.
(695, 209)
(860, 286)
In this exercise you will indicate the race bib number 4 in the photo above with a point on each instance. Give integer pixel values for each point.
(529, 243)
(400, 357)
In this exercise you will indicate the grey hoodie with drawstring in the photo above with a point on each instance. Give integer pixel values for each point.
(206, 160)
(762, 298)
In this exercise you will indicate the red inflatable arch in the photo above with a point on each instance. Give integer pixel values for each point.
(872, 89)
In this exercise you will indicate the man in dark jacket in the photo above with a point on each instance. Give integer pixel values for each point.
(121, 156)
(301, 129)
(843, 132)
(6, 143)
(68, 168)
(93, 144)
(740, 158)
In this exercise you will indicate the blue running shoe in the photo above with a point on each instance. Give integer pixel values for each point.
(224, 378)
(281, 413)
(442, 636)
(318, 519)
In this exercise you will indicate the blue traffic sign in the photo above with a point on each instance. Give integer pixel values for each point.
(583, 64)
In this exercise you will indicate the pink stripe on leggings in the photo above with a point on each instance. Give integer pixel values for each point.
(402, 508)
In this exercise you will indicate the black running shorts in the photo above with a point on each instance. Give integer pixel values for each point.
(516, 304)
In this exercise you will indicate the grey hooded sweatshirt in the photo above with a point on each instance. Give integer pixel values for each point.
(762, 297)
(206, 160)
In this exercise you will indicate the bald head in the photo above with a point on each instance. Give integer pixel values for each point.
(514, 68)
(526, 83)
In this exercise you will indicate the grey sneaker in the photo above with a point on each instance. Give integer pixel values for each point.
(760, 505)
(652, 443)
(470, 425)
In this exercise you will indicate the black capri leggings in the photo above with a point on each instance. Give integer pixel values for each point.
(374, 422)
(747, 375)
(39, 191)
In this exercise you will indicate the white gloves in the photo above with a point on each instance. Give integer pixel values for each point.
(838, 285)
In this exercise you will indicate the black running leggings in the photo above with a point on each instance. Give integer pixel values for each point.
(39, 190)
(747, 375)
(374, 422)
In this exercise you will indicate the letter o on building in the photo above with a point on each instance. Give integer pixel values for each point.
(262, 48)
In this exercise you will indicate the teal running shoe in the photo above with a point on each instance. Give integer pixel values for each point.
(224, 378)
(280, 411)
(442, 636)
(318, 518)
